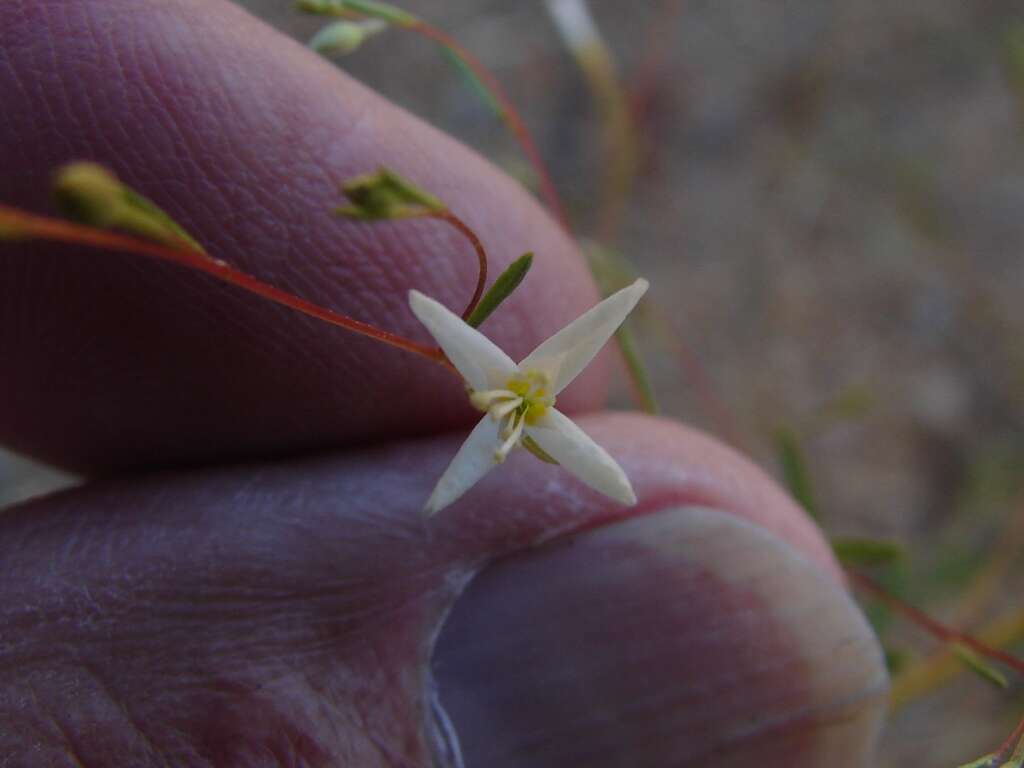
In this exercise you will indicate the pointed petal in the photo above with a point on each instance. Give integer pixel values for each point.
(474, 460)
(573, 449)
(570, 350)
(482, 364)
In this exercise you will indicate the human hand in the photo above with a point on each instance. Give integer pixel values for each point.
(264, 592)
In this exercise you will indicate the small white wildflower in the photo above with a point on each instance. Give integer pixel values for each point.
(518, 400)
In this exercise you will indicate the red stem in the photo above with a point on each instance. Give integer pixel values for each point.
(54, 229)
(454, 221)
(931, 626)
(1005, 750)
(508, 114)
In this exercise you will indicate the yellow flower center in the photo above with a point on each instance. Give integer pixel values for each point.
(524, 400)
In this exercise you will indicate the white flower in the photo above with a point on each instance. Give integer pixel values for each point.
(519, 400)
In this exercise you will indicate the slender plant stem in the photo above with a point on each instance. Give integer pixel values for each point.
(933, 627)
(1007, 748)
(481, 281)
(507, 113)
(29, 226)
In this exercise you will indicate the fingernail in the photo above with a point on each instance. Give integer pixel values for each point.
(684, 637)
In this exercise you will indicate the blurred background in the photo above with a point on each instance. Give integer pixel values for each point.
(829, 201)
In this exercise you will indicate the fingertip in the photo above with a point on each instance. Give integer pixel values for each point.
(241, 134)
(688, 636)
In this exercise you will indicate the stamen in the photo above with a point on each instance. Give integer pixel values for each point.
(482, 400)
(499, 412)
(512, 440)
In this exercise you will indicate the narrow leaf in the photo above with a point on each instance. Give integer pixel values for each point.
(979, 666)
(501, 289)
(160, 225)
(794, 470)
(865, 553)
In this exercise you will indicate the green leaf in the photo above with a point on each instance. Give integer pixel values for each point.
(146, 217)
(90, 194)
(794, 470)
(344, 37)
(979, 666)
(501, 289)
(385, 195)
(865, 553)
(531, 445)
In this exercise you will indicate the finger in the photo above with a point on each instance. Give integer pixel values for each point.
(287, 614)
(242, 135)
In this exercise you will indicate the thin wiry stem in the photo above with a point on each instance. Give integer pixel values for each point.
(506, 112)
(29, 226)
(931, 626)
(481, 281)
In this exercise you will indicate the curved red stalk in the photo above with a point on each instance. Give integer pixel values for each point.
(454, 221)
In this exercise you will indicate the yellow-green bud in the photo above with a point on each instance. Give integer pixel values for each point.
(385, 195)
(344, 37)
(89, 193)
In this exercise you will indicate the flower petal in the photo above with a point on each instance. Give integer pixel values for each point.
(570, 350)
(573, 449)
(482, 364)
(474, 460)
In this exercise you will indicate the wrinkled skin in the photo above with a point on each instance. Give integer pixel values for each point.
(248, 581)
